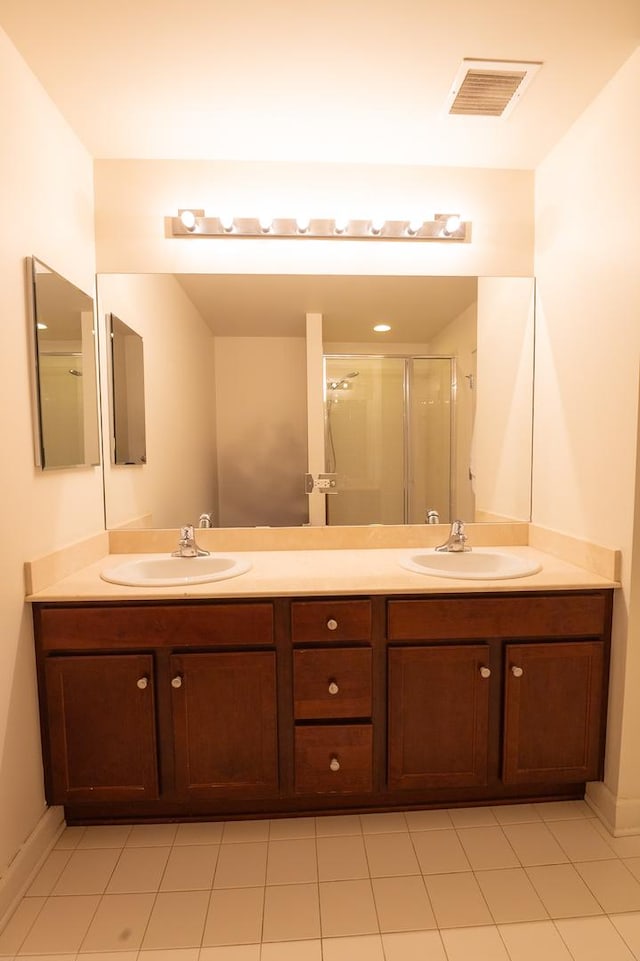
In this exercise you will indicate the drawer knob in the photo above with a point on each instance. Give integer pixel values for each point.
(334, 764)
(332, 624)
(333, 688)
(517, 671)
(142, 682)
(176, 681)
(485, 672)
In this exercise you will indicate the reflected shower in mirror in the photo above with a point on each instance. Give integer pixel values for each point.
(127, 393)
(227, 368)
(65, 395)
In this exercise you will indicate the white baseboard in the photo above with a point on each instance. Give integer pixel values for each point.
(18, 876)
(621, 816)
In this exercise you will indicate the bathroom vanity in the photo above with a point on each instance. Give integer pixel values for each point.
(238, 705)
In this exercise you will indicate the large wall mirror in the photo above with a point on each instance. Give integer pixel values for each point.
(65, 395)
(433, 415)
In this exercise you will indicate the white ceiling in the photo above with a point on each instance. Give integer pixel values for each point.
(351, 81)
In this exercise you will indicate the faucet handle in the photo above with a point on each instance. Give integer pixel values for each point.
(186, 532)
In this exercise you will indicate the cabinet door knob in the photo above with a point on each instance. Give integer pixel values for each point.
(517, 671)
(176, 681)
(334, 764)
(333, 688)
(485, 672)
(142, 682)
(332, 624)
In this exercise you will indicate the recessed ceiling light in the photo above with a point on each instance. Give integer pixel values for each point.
(381, 328)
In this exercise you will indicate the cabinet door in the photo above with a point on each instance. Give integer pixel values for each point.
(438, 716)
(100, 714)
(553, 712)
(224, 718)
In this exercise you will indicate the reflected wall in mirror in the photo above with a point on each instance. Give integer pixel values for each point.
(65, 394)
(226, 385)
(128, 438)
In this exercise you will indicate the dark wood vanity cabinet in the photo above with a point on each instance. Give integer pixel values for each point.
(212, 708)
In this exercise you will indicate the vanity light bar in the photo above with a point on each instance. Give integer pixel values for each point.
(444, 227)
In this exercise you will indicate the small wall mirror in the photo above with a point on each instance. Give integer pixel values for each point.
(128, 437)
(65, 378)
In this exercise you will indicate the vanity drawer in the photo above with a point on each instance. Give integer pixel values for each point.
(117, 627)
(333, 759)
(330, 621)
(562, 615)
(332, 683)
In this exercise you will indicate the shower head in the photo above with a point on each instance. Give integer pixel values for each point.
(343, 383)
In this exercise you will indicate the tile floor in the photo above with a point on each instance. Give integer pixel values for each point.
(530, 882)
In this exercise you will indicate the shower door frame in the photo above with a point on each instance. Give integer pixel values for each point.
(406, 417)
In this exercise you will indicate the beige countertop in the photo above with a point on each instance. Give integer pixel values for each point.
(321, 572)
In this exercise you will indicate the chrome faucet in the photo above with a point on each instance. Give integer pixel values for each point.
(456, 540)
(187, 546)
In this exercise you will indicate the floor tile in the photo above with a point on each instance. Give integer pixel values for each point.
(634, 866)
(346, 908)
(237, 832)
(87, 872)
(169, 954)
(46, 878)
(105, 836)
(177, 920)
(17, 927)
(593, 939)
(439, 852)
(487, 848)
(627, 846)
(235, 917)
(534, 941)
(428, 820)
(510, 896)
(230, 952)
(402, 904)
(102, 956)
(367, 948)
(534, 844)
(292, 862)
(457, 900)
(413, 946)
(119, 923)
(291, 912)
(190, 868)
(563, 810)
(562, 891)
(138, 870)
(199, 832)
(515, 813)
(292, 951)
(384, 823)
(70, 838)
(580, 840)
(390, 855)
(151, 835)
(479, 944)
(241, 865)
(341, 858)
(283, 829)
(472, 817)
(612, 883)
(332, 825)
(61, 925)
(628, 925)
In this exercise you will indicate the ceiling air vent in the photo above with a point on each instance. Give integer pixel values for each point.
(489, 88)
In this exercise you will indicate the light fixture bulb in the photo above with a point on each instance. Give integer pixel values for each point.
(382, 328)
(188, 219)
(265, 224)
(413, 227)
(341, 225)
(226, 222)
(376, 226)
(452, 224)
(303, 224)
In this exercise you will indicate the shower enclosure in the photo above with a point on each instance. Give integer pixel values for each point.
(389, 438)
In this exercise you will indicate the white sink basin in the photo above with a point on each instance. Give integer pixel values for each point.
(479, 564)
(175, 571)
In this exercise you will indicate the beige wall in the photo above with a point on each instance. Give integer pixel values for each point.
(588, 353)
(178, 482)
(261, 428)
(46, 193)
(133, 198)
